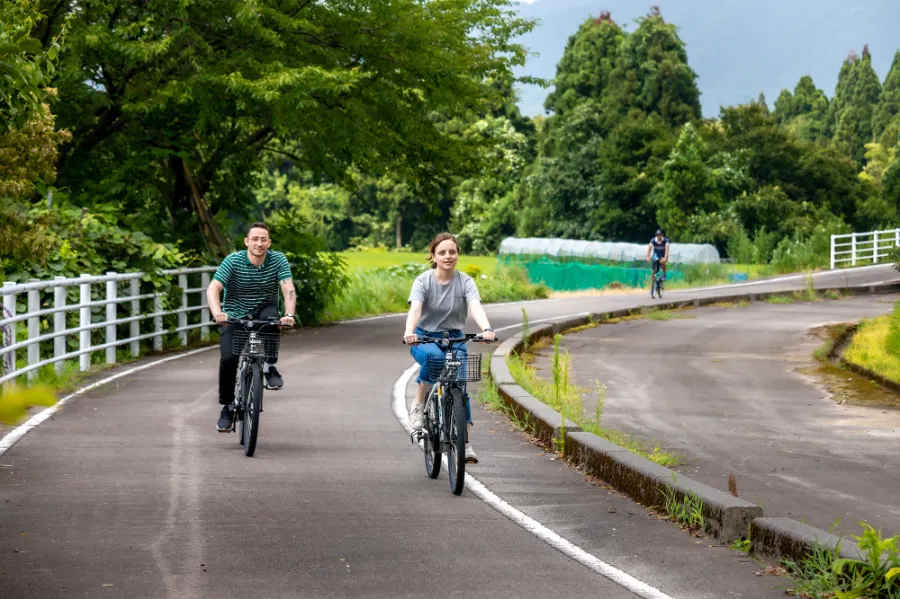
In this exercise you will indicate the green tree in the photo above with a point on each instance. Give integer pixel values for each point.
(586, 64)
(805, 112)
(888, 109)
(854, 105)
(653, 75)
(172, 103)
(25, 67)
(603, 152)
(688, 186)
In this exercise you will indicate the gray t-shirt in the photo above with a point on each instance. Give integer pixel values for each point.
(444, 307)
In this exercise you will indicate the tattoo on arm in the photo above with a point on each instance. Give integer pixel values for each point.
(291, 294)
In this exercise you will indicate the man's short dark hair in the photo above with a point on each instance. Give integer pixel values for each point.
(258, 225)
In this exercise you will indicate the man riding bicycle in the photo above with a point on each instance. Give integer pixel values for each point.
(659, 247)
(250, 279)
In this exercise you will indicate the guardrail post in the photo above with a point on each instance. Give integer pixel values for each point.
(875, 256)
(34, 329)
(135, 311)
(157, 323)
(204, 307)
(59, 325)
(832, 251)
(182, 316)
(853, 249)
(9, 304)
(896, 237)
(85, 321)
(112, 294)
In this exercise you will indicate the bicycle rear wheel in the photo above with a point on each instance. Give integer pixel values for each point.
(432, 440)
(252, 404)
(456, 458)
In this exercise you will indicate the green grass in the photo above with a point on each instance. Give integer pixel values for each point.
(566, 398)
(371, 259)
(824, 575)
(874, 346)
(373, 292)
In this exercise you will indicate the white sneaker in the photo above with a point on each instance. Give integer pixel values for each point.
(471, 456)
(415, 417)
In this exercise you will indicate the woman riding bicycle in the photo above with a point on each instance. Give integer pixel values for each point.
(440, 301)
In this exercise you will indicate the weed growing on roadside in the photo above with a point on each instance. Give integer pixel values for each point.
(600, 390)
(825, 574)
(686, 510)
(526, 331)
(810, 294)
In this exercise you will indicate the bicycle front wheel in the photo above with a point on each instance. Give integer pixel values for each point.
(252, 405)
(456, 457)
(432, 440)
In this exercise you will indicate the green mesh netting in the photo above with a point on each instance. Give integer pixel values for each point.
(575, 276)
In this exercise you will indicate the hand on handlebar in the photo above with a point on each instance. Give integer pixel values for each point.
(489, 335)
(221, 318)
(410, 338)
(287, 321)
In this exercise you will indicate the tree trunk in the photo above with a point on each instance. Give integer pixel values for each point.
(216, 241)
(399, 231)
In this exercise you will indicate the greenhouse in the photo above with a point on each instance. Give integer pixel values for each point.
(591, 251)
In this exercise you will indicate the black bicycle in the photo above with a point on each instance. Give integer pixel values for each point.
(656, 282)
(444, 416)
(254, 346)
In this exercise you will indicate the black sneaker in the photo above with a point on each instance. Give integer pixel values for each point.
(273, 379)
(225, 420)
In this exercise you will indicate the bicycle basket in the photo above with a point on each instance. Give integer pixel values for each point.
(267, 346)
(468, 369)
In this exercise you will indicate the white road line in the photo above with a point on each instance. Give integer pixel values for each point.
(553, 539)
(17, 433)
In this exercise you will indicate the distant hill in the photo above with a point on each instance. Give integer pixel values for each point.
(738, 48)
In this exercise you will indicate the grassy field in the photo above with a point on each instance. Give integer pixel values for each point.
(876, 345)
(370, 259)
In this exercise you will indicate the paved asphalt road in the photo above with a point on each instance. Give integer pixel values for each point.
(721, 387)
(129, 492)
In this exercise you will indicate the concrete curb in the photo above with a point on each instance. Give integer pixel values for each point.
(786, 538)
(729, 518)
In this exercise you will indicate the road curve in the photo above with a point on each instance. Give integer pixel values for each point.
(730, 389)
(128, 491)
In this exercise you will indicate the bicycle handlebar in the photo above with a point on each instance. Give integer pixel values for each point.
(474, 337)
(272, 321)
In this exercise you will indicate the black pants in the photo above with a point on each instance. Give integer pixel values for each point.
(228, 361)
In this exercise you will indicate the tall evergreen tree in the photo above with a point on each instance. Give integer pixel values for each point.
(888, 110)
(606, 143)
(584, 69)
(853, 114)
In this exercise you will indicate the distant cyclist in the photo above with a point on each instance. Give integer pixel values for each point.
(440, 301)
(250, 279)
(659, 248)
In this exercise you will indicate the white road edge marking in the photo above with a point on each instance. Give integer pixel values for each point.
(20, 431)
(553, 539)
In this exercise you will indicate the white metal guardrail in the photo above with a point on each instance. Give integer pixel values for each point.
(49, 324)
(863, 247)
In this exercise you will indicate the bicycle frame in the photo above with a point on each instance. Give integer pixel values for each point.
(440, 392)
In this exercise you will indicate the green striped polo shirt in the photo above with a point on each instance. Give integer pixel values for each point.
(247, 287)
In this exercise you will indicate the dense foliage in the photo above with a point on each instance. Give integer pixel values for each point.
(149, 134)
